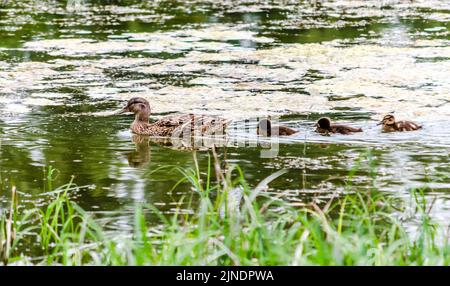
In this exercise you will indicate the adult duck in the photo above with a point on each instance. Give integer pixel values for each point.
(171, 125)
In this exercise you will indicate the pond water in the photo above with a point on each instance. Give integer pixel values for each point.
(67, 66)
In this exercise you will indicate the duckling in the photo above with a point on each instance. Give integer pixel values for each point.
(325, 126)
(265, 128)
(390, 125)
(171, 125)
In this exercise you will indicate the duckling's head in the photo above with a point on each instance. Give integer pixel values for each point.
(324, 123)
(138, 106)
(388, 120)
(264, 127)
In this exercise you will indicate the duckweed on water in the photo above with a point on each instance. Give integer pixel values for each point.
(65, 69)
(233, 224)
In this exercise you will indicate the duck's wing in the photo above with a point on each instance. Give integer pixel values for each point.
(195, 124)
(343, 129)
(173, 120)
(214, 125)
(407, 126)
(286, 131)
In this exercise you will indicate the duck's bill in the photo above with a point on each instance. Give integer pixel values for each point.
(379, 123)
(122, 111)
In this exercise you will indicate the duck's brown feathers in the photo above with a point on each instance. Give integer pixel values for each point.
(390, 124)
(277, 131)
(177, 124)
(324, 126)
(285, 131)
(402, 126)
(341, 129)
(265, 128)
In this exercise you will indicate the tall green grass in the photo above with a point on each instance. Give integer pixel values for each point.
(233, 224)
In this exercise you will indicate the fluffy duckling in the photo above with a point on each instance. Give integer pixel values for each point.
(325, 126)
(390, 125)
(171, 125)
(265, 128)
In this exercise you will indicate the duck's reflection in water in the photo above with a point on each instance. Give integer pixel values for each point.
(192, 143)
(140, 157)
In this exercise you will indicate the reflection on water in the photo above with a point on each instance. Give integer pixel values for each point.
(62, 76)
(139, 158)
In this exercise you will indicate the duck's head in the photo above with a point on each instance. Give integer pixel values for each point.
(324, 123)
(264, 127)
(138, 106)
(388, 120)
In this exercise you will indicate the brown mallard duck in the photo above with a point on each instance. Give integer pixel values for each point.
(265, 128)
(325, 126)
(390, 125)
(171, 125)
